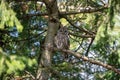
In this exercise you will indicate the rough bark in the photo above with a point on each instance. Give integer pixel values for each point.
(53, 24)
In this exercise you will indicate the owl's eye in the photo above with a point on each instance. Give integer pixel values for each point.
(65, 31)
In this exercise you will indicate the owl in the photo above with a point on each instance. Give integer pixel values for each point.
(61, 40)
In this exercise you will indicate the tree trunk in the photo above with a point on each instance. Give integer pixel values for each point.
(47, 53)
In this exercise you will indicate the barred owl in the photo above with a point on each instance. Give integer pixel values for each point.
(62, 40)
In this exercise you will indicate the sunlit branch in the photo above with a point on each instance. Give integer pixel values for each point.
(84, 58)
(30, 75)
(82, 36)
(82, 10)
(85, 10)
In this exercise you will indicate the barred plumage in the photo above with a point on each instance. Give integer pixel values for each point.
(62, 39)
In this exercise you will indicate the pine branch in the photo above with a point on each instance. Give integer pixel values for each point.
(81, 10)
(80, 28)
(82, 36)
(84, 58)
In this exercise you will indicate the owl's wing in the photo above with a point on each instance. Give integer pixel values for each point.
(55, 41)
(58, 42)
(66, 42)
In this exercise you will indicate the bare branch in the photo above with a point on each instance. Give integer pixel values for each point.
(30, 75)
(80, 44)
(80, 28)
(86, 54)
(82, 36)
(82, 10)
(85, 10)
(79, 56)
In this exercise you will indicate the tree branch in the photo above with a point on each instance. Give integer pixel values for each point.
(30, 75)
(86, 54)
(82, 10)
(85, 10)
(82, 36)
(79, 56)
(80, 28)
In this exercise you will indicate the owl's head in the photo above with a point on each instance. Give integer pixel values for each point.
(63, 30)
